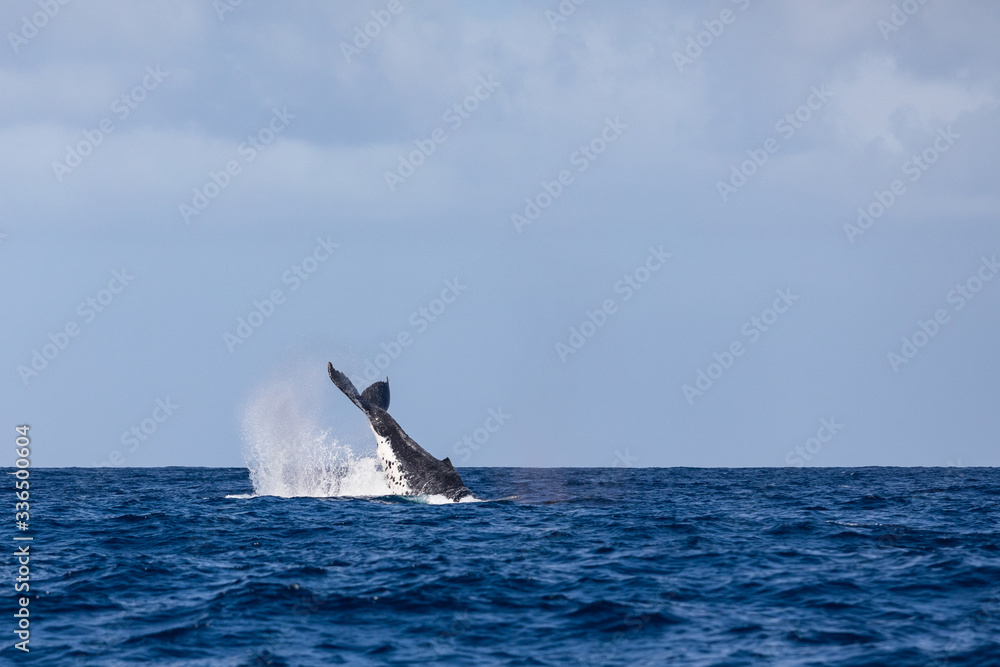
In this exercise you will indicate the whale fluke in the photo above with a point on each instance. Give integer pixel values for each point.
(377, 394)
(345, 385)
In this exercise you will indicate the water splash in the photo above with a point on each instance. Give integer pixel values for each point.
(290, 455)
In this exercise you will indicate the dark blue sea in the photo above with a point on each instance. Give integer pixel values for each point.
(616, 566)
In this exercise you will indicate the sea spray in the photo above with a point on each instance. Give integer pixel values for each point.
(289, 454)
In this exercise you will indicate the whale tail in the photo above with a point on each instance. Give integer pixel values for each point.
(345, 385)
(377, 395)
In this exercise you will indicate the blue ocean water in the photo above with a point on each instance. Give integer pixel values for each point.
(186, 566)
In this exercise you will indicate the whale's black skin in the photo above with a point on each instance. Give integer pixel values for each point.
(409, 469)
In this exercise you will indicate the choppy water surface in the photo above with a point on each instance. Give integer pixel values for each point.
(188, 566)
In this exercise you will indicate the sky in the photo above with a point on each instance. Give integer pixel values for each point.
(727, 233)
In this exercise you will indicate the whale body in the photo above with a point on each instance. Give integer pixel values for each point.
(409, 469)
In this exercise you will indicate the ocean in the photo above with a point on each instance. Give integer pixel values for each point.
(564, 566)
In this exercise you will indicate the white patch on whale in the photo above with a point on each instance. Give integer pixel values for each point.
(395, 479)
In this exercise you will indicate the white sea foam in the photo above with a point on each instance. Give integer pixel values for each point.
(290, 455)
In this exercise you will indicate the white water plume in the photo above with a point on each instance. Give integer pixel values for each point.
(289, 454)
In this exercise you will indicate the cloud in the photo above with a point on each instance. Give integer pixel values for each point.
(879, 103)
